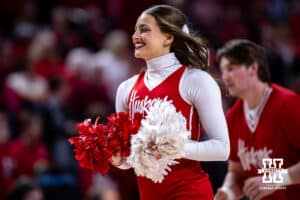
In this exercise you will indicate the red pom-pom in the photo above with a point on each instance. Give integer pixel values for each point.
(97, 143)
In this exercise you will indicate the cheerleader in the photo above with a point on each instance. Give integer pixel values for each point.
(177, 64)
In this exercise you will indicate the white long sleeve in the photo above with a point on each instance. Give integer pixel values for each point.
(200, 89)
(122, 104)
(197, 88)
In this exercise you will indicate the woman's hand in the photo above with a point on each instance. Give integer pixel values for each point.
(116, 159)
(153, 150)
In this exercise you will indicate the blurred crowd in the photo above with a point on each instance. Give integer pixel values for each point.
(62, 61)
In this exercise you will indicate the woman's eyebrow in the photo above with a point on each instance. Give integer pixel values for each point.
(141, 26)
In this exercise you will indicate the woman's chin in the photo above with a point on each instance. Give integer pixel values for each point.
(138, 55)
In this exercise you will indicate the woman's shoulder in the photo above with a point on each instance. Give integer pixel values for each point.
(128, 83)
(198, 76)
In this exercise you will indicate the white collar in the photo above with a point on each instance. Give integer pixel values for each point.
(162, 62)
(252, 115)
(159, 68)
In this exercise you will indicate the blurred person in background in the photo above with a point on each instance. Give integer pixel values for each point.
(56, 126)
(113, 60)
(66, 38)
(26, 189)
(23, 90)
(6, 65)
(263, 124)
(86, 80)
(44, 56)
(29, 154)
(6, 164)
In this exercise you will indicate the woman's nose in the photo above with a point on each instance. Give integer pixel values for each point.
(135, 36)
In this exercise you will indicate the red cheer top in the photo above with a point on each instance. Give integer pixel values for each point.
(186, 180)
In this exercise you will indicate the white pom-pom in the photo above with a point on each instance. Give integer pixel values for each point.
(159, 142)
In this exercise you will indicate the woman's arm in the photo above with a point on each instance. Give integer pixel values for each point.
(202, 91)
(121, 105)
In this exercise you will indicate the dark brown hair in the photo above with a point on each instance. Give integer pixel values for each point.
(241, 51)
(190, 49)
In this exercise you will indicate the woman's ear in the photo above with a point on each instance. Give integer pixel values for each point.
(168, 39)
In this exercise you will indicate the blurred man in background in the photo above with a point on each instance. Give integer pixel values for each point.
(263, 124)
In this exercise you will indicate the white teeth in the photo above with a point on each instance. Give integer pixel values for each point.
(139, 45)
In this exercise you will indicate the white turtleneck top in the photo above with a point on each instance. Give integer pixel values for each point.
(197, 88)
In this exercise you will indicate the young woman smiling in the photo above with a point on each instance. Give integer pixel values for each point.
(177, 62)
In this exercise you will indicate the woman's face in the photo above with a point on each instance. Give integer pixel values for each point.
(148, 40)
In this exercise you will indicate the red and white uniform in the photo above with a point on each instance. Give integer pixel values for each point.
(197, 96)
(274, 132)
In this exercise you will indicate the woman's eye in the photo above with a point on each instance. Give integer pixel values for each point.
(144, 30)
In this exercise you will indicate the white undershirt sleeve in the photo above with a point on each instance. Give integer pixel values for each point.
(121, 104)
(201, 90)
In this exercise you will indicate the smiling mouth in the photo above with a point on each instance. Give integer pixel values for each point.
(139, 45)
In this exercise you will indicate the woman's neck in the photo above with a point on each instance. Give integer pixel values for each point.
(159, 68)
(162, 63)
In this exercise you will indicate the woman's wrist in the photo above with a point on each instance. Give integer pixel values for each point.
(116, 160)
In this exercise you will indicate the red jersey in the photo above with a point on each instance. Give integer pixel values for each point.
(276, 135)
(186, 180)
